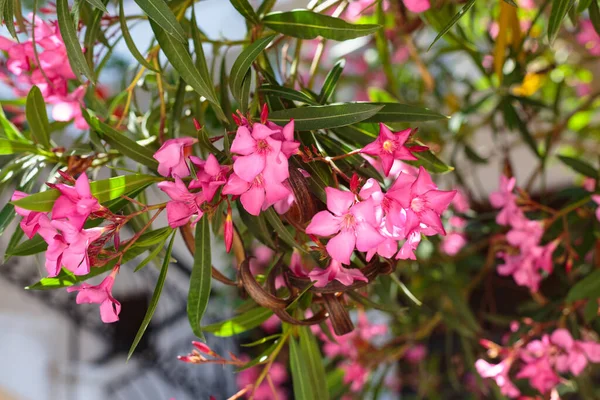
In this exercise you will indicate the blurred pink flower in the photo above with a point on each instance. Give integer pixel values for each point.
(336, 271)
(278, 375)
(588, 37)
(453, 243)
(416, 354)
(499, 373)
(417, 6)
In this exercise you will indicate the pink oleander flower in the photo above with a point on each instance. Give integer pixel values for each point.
(172, 157)
(407, 251)
(259, 194)
(210, 176)
(390, 146)
(355, 375)
(526, 267)
(75, 203)
(99, 294)
(296, 265)
(499, 373)
(417, 6)
(453, 243)
(505, 200)
(416, 354)
(422, 202)
(576, 353)
(336, 271)
(184, 205)
(589, 184)
(56, 245)
(75, 256)
(524, 233)
(278, 376)
(461, 202)
(31, 219)
(354, 224)
(588, 37)
(596, 199)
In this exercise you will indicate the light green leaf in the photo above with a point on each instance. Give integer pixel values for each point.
(160, 13)
(314, 367)
(242, 64)
(69, 35)
(200, 279)
(240, 323)
(300, 379)
(325, 117)
(13, 147)
(35, 111)
(155, 297)
(305, 24)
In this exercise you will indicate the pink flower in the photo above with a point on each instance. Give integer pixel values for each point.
(355, 375)
(99, 294)
(75, 256)
(416, 354)
(390, 146)
(30, 222)
(417, 6)
(172, 157)
(589, 184)
(596, 199)
(210, 176)
(461, 202)
(184, 205)
(296, 265)
(75, 203)
(407, 251)
(576, 353)
(277, 374)
(336, 271)
(56, 245)
(453, 243)
(422, 202)
(354, 222)
(499, 373)
(257, 195)
(588, 37)
(505, 200)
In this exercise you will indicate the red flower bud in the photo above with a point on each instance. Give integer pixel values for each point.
(203, 348)
(354, 182)
(197, 125)
(228, 230)
(264, 114)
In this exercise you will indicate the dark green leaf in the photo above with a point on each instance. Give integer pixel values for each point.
(69, 35)
(200, 279)
(155, 296)
(590, 311)
(35, 111)
(430, 162)
(587, 288)
(453, 21)
(287, 93)
(246, 10)
(151, 256)
(331, 81)
(314, 363)
(514, 121)
(28, 247)
(300, 379)
(129, 40)
(595, 15)
(560, 8)
(395, 112)
(160, 13)
(98, 4)
(580, 166)
(242, 64)
(257, 226)
(240, 323)
(305, 24)
(9, 14)
(280, 229)
(7, 214)
(245, 92)
(324, 117)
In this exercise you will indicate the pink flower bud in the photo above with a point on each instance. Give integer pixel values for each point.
(354, 182)
(228, 230)
(203, 348)
(197, 125)
(264, 114)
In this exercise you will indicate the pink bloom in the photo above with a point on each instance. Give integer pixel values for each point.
(499, 373)
(74, 257)
(505, 200)
(576, 352)
(417, 6)
(336, 271)
(407, 251)
(75, 203)
(453, 243)
(596, 199)
(389, 146)
(56, 245)
(278, 375)
(524, 233)
(416, 354)
(210, 176)
(589, 184)
(172, 157)
(354, 222)
(228, 230)
(461, 202)
(184, 205)
(296, 265)
(259, 194)
(30, 222)
(99, 294)
(588, 37)
(271, 325)
(355, 374)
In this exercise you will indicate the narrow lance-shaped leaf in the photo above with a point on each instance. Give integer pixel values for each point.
(35, 111)
(560, 8)
(588, 287)
(331, 81)
(300, 379)
(240, 323)
(287, 93)
(395, 112)
(98, 4)
(200, 279)
(453, 21)
(69, 35)
(245, 9)
(314, 363)
(305, 24)
(155, 297)
(325, 117)
(580, 166)
(161, 14)
(243, 62)
(129, 40)
(595, 15)
(13, 147)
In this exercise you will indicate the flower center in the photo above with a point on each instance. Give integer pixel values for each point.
(258, 181)
(348, 221)
(417, 204)
(262, 146)
(389, 146)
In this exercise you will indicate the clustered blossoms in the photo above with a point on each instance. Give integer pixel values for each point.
(48, 70)
(541, 361)
(528, 259)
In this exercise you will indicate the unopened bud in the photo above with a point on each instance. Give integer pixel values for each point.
(228, 230)
(197, 125)
(264, 114)
(354, 183)
(203, 348)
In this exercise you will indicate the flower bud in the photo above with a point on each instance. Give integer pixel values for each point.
(264, 114)
(228, 230)
(197, 125)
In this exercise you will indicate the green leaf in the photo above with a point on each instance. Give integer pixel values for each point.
(325, 117)
(155, 296)
(69, 35)
(151, 256)
(240, 323)
(305, 24)
(262, 340)
(395, 112)
(242, 65)
(331, 81)
(594, 10)
(587, 288)
(9, 130)
(257, 226)
(560, 8)
(590, 311)
(104, 190)
(122, 143)
(314, 363)
(28, 247)
(300, 379)
(578, 165)
(129, 40)
(287, 93)
(245, 92)
(35, 111)
(7, 214)
(160, 13)
(181, 60)
(430, 162)
(98, 4)
(453, 21)
(13, 147)
(200, 279)
(9, 13)
(513, 120)
(281, 230)
(246, 10)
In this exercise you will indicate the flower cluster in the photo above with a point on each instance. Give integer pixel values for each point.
(456, 239)
(47, 70)
(531, 258)
(540, 361)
